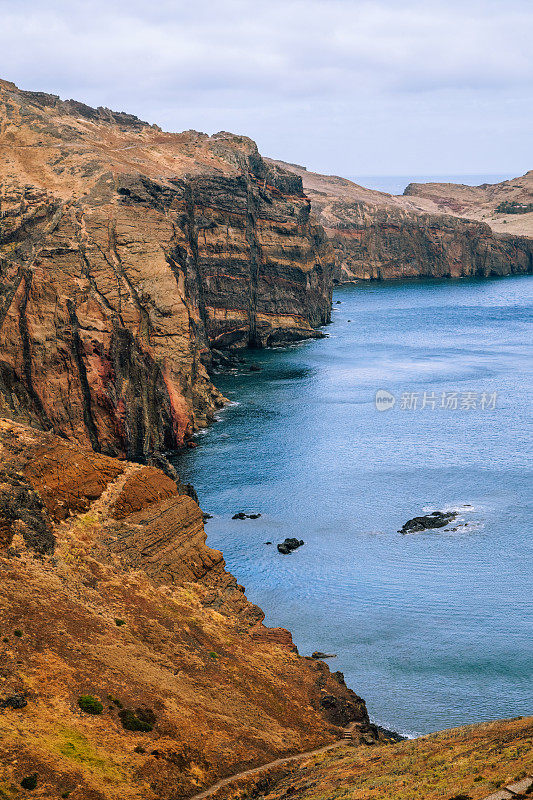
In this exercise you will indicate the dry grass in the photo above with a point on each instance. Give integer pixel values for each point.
(472, 761)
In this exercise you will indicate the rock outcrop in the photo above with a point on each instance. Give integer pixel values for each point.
(131, 663)
(125, 253)
(433, 231)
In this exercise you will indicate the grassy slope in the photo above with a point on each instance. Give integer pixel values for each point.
(470, 762)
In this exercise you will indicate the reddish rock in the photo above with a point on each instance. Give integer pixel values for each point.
(126, 252)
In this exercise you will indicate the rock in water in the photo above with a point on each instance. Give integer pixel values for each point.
(289, 545)
(437, 519)
(242, 515)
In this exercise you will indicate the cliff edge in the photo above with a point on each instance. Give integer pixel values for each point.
(432, 231)
(125, 253)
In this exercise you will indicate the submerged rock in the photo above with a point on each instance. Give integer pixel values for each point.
(437, 519)
(289, 545)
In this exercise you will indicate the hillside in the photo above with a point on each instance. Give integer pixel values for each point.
(433, 230)
(470, 763)
(109, 591)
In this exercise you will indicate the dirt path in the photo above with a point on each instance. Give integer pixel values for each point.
(278, 762)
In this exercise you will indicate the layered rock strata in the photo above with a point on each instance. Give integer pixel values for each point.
(433, 231)
(109, 591)
(125, 253)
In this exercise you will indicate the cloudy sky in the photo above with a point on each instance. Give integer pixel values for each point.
(352, 87)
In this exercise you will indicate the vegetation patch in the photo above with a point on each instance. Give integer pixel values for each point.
(29, 782)
(78, 749)
(90, 704)
(513, 207)
(142, 719)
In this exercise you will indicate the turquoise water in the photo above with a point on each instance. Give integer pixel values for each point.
(432, 629)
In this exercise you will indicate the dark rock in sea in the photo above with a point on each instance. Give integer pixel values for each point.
(320, 655)
(14, 701)
(338, 303)
(254, 516)
(242, 515)
(206, 516)
(268, 542)
(437, 519)
(255, 368)
(289, 545)
(392, 736)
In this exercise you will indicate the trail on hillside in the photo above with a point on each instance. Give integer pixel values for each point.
(276, 763)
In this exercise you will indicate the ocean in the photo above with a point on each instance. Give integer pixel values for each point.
(433, 629)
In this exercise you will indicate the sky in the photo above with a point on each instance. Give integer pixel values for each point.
(379, 87)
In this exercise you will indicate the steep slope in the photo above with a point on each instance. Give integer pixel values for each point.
(434, 230)
(109, 590)
(125, 252)
(468, 763)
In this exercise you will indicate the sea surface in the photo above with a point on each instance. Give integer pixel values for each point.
(395, 184)
(433, 629)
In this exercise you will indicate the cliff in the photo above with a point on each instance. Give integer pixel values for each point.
(109, 591)
(125, 253)
(434, 230)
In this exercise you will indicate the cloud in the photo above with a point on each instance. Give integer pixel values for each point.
(317, 65)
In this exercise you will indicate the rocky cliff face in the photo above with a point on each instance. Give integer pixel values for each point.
(109, 590)
(435, 230)
(125, 252)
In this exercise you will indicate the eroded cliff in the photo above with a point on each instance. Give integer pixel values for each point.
(434, 231)
(108, 590)
(125, 252)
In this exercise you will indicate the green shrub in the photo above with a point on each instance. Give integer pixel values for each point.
(513, 207)
(17, 632)
(120, 622)
(139, 720)
(29, 782)
(90, 704)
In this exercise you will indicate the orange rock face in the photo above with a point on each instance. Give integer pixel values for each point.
(433, 231)
(108, 589)
(125, 253)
